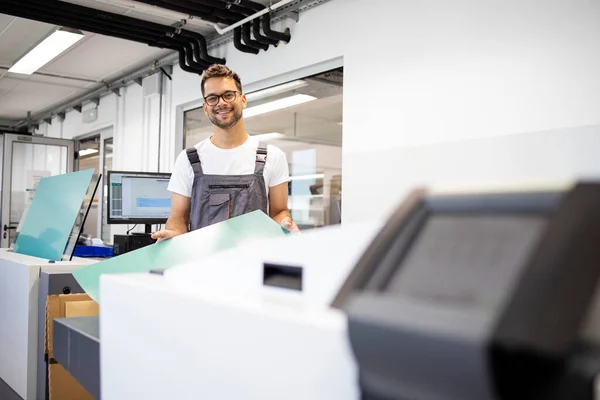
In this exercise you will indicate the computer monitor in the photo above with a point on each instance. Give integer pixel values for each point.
(138, 198)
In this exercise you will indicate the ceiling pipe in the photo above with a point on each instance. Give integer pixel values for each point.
(122, 23)
(221, 5)
(208, 14)
(270, 33)
(252, 43)
(237, 42)
(203, 47)
(201, 40)
(28, 10)
(251, 17)
(270, 37)
(253, 5)
(259, 36)
(150, 11)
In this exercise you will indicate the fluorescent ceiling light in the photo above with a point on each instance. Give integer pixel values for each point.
(46, 51)
(87, 152)
(305, 177)
(278, 105)
(269, 136)
(261, 94)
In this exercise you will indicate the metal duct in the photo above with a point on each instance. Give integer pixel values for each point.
(48, 15)
(266, 25)
(237, 42)
(248, 40)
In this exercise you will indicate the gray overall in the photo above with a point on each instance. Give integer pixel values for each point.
(216, 198)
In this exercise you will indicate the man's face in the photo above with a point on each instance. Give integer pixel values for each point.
(223, 113)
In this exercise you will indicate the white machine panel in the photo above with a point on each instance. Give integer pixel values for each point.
(326, 256)
(19, 290)
(214, 331)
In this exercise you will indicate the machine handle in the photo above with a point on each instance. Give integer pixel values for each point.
(283, 276)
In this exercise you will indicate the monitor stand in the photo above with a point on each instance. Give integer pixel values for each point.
(147, 232)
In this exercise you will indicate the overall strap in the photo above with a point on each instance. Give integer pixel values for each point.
(261, 158)
(194, 159)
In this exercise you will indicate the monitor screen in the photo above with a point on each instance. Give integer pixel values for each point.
(138, 197)
(468, 260)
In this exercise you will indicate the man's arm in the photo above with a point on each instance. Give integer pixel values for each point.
(278, 207)
(178, 221)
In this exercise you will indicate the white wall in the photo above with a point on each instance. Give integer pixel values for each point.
(434, 91)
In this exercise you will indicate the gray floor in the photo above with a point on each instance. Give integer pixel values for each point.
(6, 393)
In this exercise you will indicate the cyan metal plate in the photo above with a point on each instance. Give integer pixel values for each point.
(194, 245)
(52, 214)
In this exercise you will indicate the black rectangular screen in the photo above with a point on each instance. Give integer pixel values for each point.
(468, 260)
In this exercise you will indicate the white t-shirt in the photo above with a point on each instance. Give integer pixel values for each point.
(237, 161)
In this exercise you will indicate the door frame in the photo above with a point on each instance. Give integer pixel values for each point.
(105, 134)
(9, 140)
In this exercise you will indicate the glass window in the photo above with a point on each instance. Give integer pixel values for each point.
(304, 119)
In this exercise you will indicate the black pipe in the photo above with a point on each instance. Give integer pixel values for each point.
(196, 46)
(203, 47)
(182, 63)
(252, 5)
(229, 11)
(123, 24)
(198, 11)
(259, 36)
(227, 6)
(271, 37)
(200, 48)
(237, 42)
(252, 43)
(266, 25)
(29, 11)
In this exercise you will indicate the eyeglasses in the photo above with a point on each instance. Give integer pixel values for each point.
(227, 97)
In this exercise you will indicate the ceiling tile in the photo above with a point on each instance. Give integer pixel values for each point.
(101, 56)
(5, 21)
(19, 38)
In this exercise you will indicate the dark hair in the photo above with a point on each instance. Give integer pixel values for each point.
(221, 71)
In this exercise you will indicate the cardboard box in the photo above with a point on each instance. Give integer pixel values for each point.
(62, 385)
(66, 306)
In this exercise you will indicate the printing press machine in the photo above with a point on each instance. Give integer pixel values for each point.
(454, 296)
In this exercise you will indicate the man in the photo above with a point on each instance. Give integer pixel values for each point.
(230, 173)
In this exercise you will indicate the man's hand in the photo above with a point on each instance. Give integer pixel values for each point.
(164, 235)
(278, 207)
(288, 224)
(178, 221)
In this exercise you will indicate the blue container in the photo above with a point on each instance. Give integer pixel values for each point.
(93, 251)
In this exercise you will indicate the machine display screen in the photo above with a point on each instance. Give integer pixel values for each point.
(468, 260)
(139, 196)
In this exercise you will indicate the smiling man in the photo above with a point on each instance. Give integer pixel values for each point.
(230, 173)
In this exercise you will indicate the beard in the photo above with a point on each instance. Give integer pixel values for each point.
(234, 117)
